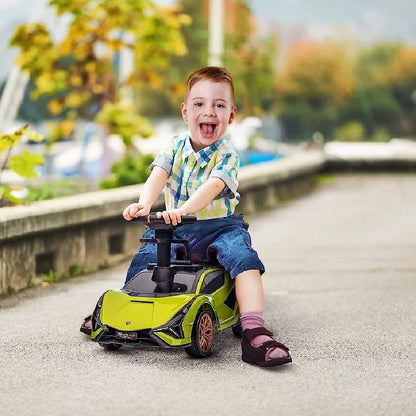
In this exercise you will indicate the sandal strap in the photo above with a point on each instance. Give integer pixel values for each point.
(274, 344)
(253, 332)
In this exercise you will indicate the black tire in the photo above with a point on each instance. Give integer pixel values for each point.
(202, 336)
(237, 329)
(110, 347)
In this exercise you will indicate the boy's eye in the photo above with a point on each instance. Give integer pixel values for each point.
(220, 105)
(198, 104)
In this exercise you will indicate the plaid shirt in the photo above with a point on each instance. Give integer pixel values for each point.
(189, 170)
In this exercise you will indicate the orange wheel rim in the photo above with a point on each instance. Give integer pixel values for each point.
(205, 333)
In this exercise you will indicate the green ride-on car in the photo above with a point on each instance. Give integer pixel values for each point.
(171, 304)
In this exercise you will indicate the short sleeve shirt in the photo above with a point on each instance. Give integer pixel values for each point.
(188, 170)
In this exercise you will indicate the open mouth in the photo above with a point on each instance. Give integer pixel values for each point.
(207, 129)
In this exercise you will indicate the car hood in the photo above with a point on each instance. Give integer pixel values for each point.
(131, 313)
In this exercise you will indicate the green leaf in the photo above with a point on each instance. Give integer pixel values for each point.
(6, 193)
(11, 140)
(7, 141)
(25, 163)
(35, 137)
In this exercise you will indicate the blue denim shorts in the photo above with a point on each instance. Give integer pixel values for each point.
(225, 241)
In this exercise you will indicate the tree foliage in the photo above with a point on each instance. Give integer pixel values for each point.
(372, 100)
(403, 75)
(321, 88)
(383, 90)
(317, 86)
(316, 73)
(23, 164)
(314, 79)
(79, 72)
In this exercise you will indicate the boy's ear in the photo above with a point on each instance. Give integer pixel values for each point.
(232, 115)
(184, 112)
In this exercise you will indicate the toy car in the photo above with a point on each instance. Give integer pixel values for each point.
(171, 304)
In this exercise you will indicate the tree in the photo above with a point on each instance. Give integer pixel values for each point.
(314, 80)
(78, 73)
(317, 72)
(373, 101)
(403, 79)
(384, 83)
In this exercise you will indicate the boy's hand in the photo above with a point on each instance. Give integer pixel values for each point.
(135, 210)
(172, 216)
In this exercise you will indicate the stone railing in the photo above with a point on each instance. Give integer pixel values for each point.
(85, 232)
(395, 155)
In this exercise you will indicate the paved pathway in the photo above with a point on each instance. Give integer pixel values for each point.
(340, 291)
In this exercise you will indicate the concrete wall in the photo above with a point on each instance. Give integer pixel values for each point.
(85, 232)
(395, 155)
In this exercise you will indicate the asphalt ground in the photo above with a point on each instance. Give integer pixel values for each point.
(339, 290)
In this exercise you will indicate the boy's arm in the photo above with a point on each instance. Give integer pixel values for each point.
(152, 188)
(198, 200)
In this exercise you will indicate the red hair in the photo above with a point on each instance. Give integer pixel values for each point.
(212, 73)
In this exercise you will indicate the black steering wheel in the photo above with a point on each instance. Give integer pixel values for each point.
(163, 272)
(155, 223)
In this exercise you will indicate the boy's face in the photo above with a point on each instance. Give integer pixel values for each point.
(208, 110)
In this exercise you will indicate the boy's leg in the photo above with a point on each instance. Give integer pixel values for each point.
(257, 343)
(249, 291)
(145, 255)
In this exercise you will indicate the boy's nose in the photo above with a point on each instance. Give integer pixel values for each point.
(210, 110)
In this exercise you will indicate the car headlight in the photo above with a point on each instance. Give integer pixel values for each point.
(174, 327)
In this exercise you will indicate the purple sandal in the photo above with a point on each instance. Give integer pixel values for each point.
(257, 355)
(86, 325)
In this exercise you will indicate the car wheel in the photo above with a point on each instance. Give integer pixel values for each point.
(110, 347)
(202, 336)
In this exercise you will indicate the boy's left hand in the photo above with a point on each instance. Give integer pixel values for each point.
(172, 216)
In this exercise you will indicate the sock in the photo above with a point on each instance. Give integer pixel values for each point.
(250, 320)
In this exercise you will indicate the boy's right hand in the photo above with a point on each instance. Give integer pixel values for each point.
(135, 210)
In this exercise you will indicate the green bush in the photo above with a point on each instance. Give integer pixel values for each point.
(128, 171)
(381, 135)
(351, 132)
(51, 190)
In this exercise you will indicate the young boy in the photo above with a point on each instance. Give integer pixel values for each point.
(198, 172)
